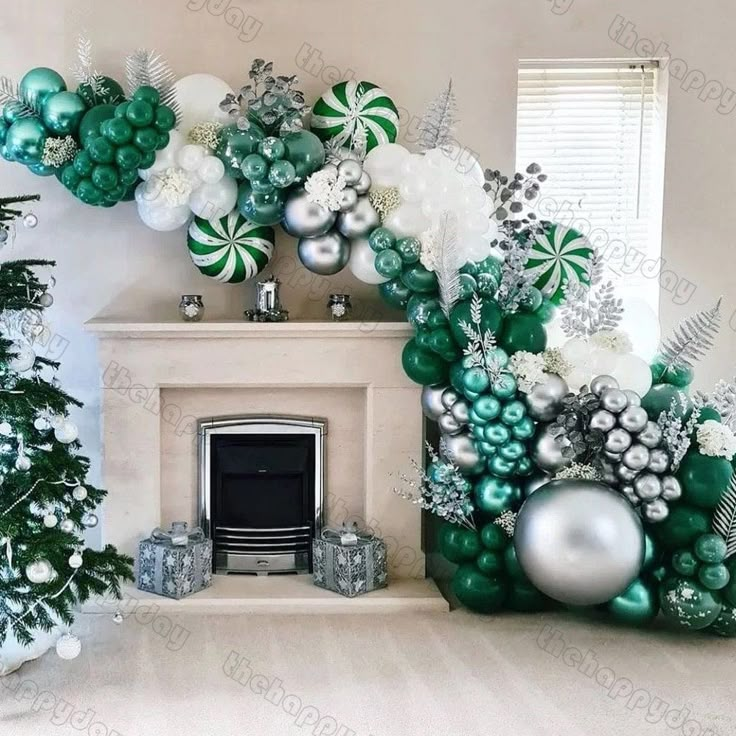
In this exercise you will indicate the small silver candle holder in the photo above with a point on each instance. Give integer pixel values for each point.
(191, 307)
(268, 305)
(340, 307)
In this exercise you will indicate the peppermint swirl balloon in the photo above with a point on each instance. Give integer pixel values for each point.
(558, 255)
(357, 114)
(231, 249)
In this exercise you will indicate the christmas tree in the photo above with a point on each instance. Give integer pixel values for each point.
(45, 501)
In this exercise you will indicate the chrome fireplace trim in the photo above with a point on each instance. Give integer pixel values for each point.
(229, 561)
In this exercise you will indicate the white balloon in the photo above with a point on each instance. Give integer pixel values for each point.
(640, 322)
(211, 170)
(407, 220)
(361, 263)
(465, 162)
(412, 189)
(384, 164)
(474, 198)
(163, 218)
(474, 247)
(190, 157)
(603, 362)
(214, 201)
(199, 97)
(632, 373)
(166, 157)
(576, 350)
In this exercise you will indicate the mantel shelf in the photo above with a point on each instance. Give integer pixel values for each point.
(234, 328)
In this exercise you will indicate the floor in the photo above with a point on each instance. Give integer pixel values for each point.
(424, 674)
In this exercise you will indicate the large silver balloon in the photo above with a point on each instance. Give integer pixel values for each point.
(326, 255)
(359, 221)
(432, 401)
(543, 402)
(579, 541)
(546, 451)
(305, 219)
(461, 450)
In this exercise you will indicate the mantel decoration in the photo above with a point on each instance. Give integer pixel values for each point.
(574, 474)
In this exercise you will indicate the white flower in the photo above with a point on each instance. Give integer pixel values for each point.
(554, 362)
(527, 368)
(615, 341)
(716, 439)
(170, 188)
(325, 188)
(429, 256)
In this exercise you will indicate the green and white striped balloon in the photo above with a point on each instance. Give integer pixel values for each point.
(231, 249)
(558, 255)
(352, 112)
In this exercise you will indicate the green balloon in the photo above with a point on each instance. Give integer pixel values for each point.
(513, 412)
(490, 563)
(476, 380)
(305, 151)
(436, 318)
(105, 177)
(496, 434)
(149, 95)
(683, 525)
(496, 495)
(3, 130)
(457, 370)
(128, 157)
(491, 319)
(62, 112)
(680, 376)
(512, 450)
(637, 605)
(725, 624)
(70, 178)
(711, 548)
(532, 300)
(12, 112)
(704, 479)
(513, 568)
(282, 174)
(25, 140)
(524, 429)
(714, 577)
(501, 467)
(235, 145)
(523, 331)
(685, 563)
(707, 413)
(139, 114)
(381, 239)
(487, 407)
(164, 119)
(489, 265)
(88, 193)
(41, 170)
(395, 293)
(729, 591)
(477, 591)
(118, 131)
(459, 544)
(148, 159)
(146, 139)
(254, 166)
(107, 92)
(38, 84)
(467, 287)
(440, 341)
(423, 366)
(419, 307)
(100, 150)
(262, 208)
(262, 186)
(546, 311)
(419, 279)
(272, 149)
(659, 398)
(409, 249)
(128, 177)
(504, 387)
(486, 284)
(493, 537)
(525, 598)
(688, 603)
(93, 118)
(652, 554)
(388, 263)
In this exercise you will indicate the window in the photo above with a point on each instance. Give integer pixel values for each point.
(597, 130)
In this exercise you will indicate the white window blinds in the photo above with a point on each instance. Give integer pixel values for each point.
(597, 130)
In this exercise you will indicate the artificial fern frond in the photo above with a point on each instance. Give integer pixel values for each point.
(437, 126)
(448, 266)
(10, 95)
(84, 71)
(691, 339)
(723, 400)
(724, 517)
(147, 68)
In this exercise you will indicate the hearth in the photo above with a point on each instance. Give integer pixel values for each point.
(261, 487)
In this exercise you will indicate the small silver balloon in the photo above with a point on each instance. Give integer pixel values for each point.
(613, 457)
(432, 401)
(350, 170)
(655, 511)
(305, 219)
(331, 168)
(359, 221)
(602, 420)
(348, 199)
(659, 461)
(364, 184)
(671, 488)
(650, 436)
(614, 400)
(534, 482)
(630, 495)
(449, 425)
(627, 475)
(326, 255)
(633, 418)
(647, 486)
(461, 450)
(67, 525)
(600, 383)
(546, 451)
(617, 440)
(461, 411)
(449, 397)
(633, 397)
(636, 457)
(608, 471)
(543, 402)
(579, 541)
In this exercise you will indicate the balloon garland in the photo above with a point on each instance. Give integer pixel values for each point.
(575, 474)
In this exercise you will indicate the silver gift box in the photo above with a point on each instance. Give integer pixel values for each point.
(350, 569)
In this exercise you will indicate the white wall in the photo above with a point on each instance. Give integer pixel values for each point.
(108, 261)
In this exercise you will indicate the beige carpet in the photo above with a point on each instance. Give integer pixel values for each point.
(425, 675)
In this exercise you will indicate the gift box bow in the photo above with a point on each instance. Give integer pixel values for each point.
(180, 535)
(347, 536)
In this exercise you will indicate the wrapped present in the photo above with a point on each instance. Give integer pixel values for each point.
(176, 563)
(349, 562)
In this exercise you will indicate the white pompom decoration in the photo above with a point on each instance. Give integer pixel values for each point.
(66, 432)
(24, 359)
(68, 646)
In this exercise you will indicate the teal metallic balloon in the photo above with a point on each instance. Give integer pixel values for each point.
(479, 592)
(638, 605)
(409, 249)
(272, 149)
(501, 467)
(419, 279)
(38, 84)
(12, 112)
(652, 553)
(388, 263)
(282, 174)
(714, 576)
(493, 537)
(254, 166)
(3, 131)
(523, 429)
(25, 140)
(457, 370)
(532, 300)
(524, 466)
(382, 239)
(419, 307)
(496, 434)
(261, 208)
(688, 603)
(41, 170)
(62, 113)
(496, 495)
(485, 448)
(262, 186)
(711, 548)
(235, 145)
(305, 151)
(512, 450)
(395, 293)
(486, 284)
(476, 380)
(504, 387)
(513, 412)
(487, 408)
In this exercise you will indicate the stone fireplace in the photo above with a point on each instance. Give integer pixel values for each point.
(161, 381)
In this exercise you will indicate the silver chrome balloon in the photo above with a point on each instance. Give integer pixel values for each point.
(614, 400)
(359, 221)
(543, 402)
(630, 494)
(659, 461)
(432, 401)
(348, 199)
(650, 436)
(602, 420)
(636, 457)
(461, 411)
(364, 184)
(449, 425)
(546, 451)
(633, 418)
(671, 488)
(600, 383)
(627, 475)
(462, 451)
(326, 255)
(617, 440)
(633, 397)
(305, 219)
(656, 510)
(648, 486)
(449, 397)
(350, 171)
(579, 541)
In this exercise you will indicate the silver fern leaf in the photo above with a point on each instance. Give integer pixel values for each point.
(147, 68)
(437, 126)
(476, 306)
(10, 95)
(691, 339)
(723, 400)
(724, 517)
(447, 269)
(84, 71)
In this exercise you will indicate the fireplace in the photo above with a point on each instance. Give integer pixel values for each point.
(261, 490)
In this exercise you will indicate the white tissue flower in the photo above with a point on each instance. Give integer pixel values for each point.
(716, 439)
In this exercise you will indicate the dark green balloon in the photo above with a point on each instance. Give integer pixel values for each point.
(496, 495)
(525, 598)
(685, 563)
(419, 279)
(423, 366)
(165, 119)
(714, 577)
(105, 177)
(725, 624)
(117, 130)
(522, 331)
(490, 563)
(382, 239)
(441, 342)
(532, 300)
(688, 603)
(419, 307)
(513, 568)
(109, 92)
(637, 605)
(235, 145)
(659, 399)
(489, 265)
(409, 249)
(395, 293)
(305, 151)
(139, 114)
(262, 208)
(682, 527)
(493, 537)
(704, 479)
(468, 285)
(491, 319)
(93, 118)
(100, 150)
(388, 263)
(457, 371)
(146, 139)
(711, 548)
(546, 311)
(680, 376)
(128, 157)
(88, 193)
(477, 591)
(459, 544)
(147, 94)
